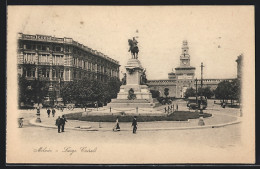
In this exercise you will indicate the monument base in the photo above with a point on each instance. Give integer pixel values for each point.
(143, 98)
(134, 94)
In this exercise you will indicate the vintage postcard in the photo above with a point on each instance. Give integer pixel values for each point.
(130, 84)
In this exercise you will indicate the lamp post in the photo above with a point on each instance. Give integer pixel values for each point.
(201, 83)
(196, 80)
(201, 121)
(38, 114)
(38, 119)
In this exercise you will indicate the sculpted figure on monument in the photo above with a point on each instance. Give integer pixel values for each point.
(124, 79)
(131, 95)
(143, 78)
(133, 48)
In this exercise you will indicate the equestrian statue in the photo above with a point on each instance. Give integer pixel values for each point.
(133, 48)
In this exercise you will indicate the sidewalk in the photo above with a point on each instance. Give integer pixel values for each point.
(220, 118)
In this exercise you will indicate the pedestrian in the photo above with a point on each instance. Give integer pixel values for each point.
(48, 112)
(117, 127)
(177, 107)
(58, 123)
(53, 112)
(134, 124)
(85, 107)
(224, 104)
(20, 122)
(63, 121)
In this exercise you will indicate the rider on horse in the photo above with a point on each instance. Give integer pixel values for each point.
(133, 47)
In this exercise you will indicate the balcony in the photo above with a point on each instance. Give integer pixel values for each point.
(30, 78)
(29, 62)
(44, 78)
(44, 63)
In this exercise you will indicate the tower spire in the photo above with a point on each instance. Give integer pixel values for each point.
(185, 57)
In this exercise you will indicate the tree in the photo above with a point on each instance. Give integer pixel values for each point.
(166, 91)
(31, 91)
(155, 93)
(207, 92)
(190, 92)
(223, 91)
(84, 90)
(235, 90)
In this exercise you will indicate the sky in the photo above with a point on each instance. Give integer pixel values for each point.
(216, 35)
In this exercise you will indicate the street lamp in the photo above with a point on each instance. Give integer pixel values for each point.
(196, 80)
(201, 121)
(201, 105)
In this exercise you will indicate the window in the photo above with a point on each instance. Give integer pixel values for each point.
(66, 48)
(61, 74)
(28, 46)
(39, 47)
(44, 48)
(58, 49)
(75, 74)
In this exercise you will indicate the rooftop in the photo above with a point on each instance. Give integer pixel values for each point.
(65, 40)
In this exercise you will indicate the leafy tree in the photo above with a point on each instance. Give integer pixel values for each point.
(166, 91)
(31, 91)
(235, 90)
(223, 91)
(155, 93)
(84, 90)
(207, 92)
(190, 92)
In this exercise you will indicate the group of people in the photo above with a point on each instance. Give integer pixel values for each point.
(134, 125)
(171, 108)
(60, 123)
(53, 111)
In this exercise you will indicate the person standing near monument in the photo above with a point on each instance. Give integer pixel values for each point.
(48, 112)
(63, 121)
(58, 123)
(53, 112)
(134, 124)
(117, 127)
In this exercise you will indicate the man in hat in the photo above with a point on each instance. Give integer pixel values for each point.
(58, 123)
(63, 121)
(134, 124)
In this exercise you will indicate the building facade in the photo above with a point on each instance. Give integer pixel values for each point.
(60, 60)
(239, 66)
(183, 78)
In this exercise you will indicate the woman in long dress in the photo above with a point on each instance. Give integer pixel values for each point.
(117, 127)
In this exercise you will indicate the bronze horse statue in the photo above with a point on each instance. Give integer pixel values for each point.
(133, 48)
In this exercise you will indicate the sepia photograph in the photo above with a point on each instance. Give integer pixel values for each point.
(130, 84)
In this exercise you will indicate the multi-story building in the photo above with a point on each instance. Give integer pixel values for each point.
(183, 78)
(59, 60)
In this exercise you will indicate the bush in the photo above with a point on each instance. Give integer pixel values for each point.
(176, 116)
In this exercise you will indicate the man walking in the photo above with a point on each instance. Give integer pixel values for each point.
(134, 124)
(48, 112)
(58, 123)
(53, 112)
(63, 121)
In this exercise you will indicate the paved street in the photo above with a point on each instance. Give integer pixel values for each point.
(150, 146)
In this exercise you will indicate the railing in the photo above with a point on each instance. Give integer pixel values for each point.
(30, 78)
(29, 62)
(44, 78)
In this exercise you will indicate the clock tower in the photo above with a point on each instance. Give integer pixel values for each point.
(185, 57)
(185, 72)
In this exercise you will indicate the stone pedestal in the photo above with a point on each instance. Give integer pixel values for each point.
(142, 96)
